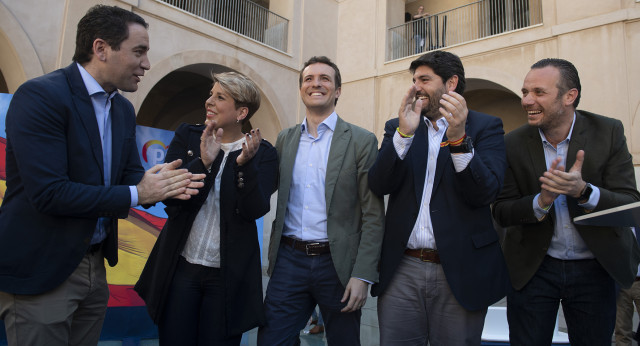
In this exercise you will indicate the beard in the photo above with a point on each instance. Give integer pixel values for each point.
(432, 109)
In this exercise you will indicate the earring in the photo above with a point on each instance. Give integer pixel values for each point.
(237, 121)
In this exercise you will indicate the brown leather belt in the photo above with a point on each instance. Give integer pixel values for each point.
(637, 278)
(425, 255)
(311, 248)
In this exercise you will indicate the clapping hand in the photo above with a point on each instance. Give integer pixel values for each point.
(249, 147)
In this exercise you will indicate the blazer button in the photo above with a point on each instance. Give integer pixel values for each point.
(237, 211)
(190, 152)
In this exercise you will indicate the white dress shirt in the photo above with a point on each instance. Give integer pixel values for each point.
(422, 233)
(203, 244)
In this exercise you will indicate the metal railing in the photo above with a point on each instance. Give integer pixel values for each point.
(242, 16)
(462, 24)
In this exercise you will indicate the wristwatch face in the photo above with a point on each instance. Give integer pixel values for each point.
(587, 192)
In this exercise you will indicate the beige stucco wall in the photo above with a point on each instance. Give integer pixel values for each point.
(601, 40)
(632, 52)
(38, 37)
(19, 60)
(42, 23)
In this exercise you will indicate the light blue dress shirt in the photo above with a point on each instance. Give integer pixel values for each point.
(101, 102)
(306, 216)
(566, 243)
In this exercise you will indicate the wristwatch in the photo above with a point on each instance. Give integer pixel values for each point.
(586, 193)
(465, 147)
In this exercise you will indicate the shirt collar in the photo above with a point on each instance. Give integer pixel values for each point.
(573, 123)
(442, 122)
(329, 122)
(92, 85)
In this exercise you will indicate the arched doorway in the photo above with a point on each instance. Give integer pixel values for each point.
(491, 98)
(3, 84)
(179, 97)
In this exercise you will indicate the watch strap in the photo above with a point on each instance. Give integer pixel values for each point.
(466, 146)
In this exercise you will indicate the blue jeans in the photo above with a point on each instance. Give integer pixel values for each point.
(194, 309)
(297, 284)
(588, 297)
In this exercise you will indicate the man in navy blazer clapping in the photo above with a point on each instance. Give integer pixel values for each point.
(72, 171)
(441, 165)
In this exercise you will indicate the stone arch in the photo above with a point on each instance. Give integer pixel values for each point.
(491, 98)
(497, 93)
(497, 76)
(18, 58)
(199, 64)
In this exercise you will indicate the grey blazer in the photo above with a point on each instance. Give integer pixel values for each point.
(355, 216)
(607, 165)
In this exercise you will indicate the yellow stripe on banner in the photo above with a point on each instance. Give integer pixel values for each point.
(3, 188)
(135, 242)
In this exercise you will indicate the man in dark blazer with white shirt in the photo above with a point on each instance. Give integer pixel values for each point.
(564, 163)
(442, 165)
(72, 171)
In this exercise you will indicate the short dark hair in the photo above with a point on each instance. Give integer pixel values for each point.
(322, 60)
(326, 61)
(109, 23)
(443, 64)
(569, 78)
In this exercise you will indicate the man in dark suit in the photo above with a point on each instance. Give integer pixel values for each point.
(72, 171)
(551, 260)
(441, 165)
(325, 239)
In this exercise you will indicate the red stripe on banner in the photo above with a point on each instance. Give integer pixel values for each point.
(148, 218)
(123, 295)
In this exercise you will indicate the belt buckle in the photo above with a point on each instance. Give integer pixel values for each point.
(307, 248)
(422, 254)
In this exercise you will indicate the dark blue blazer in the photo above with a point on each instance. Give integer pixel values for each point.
(460, 209)
(240, 206)
(55, 191)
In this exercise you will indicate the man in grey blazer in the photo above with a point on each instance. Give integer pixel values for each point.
(564, 163)
(326, 237)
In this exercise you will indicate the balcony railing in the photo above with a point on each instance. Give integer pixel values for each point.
(462, 24)
(242, 16)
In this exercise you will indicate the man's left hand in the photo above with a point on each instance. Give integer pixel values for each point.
(454, 109)
(566, 183)
(356, 292)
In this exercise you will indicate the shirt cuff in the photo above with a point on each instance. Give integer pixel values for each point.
(594, 198)
(461, 161)
(538, 211)
(134, 195)
(367, 281)
(401, 145)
